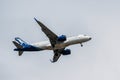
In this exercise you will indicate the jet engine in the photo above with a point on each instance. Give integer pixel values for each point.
(67, 52)
(61, 38)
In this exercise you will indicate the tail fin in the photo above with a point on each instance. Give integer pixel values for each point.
(19, 47)
(21, 42)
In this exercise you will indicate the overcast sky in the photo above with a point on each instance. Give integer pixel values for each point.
(98, 59)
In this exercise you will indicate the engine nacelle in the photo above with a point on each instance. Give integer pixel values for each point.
(61, 38)
(67, 52)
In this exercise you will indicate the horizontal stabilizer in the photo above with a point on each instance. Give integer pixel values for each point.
(17, 45)
(20, 53)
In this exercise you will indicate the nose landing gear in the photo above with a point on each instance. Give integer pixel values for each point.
(81, 44)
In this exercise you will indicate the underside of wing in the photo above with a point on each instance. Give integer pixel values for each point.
(56, 57)
(52, 36)
(53, 40)
(57, 54)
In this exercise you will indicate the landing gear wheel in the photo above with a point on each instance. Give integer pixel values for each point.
(81, 45)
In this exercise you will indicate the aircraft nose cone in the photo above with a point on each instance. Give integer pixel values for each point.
(90, 38)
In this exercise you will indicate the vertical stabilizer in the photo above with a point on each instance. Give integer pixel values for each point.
(21, 42)
(18, 47)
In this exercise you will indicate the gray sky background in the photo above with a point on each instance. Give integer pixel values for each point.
(99, 59)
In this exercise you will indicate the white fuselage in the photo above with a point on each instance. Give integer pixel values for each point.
(45, 45)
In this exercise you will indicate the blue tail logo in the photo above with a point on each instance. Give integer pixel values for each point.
(21, 42)
(23, 46)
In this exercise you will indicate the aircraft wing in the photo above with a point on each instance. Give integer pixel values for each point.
(52, 36)
(57, 54)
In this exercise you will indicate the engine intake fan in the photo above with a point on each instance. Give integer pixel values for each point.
(62, 38)
(66, 52)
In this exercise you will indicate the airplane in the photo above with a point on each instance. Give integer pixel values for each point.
(56, 43)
